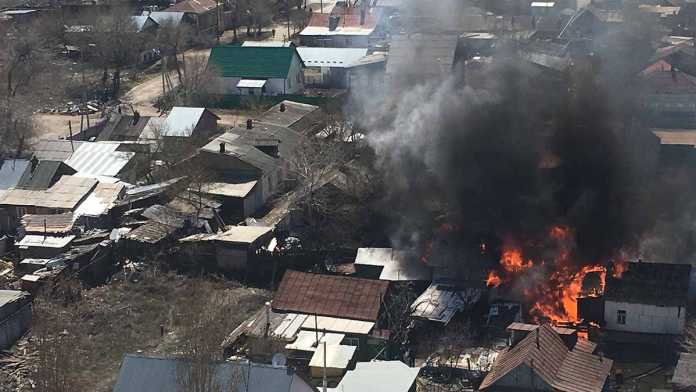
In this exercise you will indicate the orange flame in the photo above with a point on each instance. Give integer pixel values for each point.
(619, 268)
(493, 280)
(512, 261)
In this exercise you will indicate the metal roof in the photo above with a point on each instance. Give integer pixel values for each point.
(441, 302)
(379, 376)
(55, 150)
(42, 241)
(67, 193)
(335, 296)
(162, 17)
(151, 232)
(306, 340)
(54, 224)
(244, 152)
(294, 112)
(397, 265)
(243, 234)
(331, 57)
(11, 171)
(347, 25)
(140, 21)
(101, 158)
(100, 201)
(338, 356)
(252, 61)
(156, 374)
(229, 190)
(251, 83)
(275, 44)
(7, 296)
(544, 352)
(45, 174)
(181, 121)
(193, 6)
(336, 324)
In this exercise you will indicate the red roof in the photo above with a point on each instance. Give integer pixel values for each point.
(193, 6)
(333, 296)
(322, 20)
(544, 352)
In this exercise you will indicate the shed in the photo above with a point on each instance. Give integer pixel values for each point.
(235, 246)
(53, 224)
(330, 67)
(239, 200)
(43, 247)
(336, 358)
(189, 122)
(15, 316)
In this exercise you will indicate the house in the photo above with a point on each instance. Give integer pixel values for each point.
(157, 374)
(250, 70)
(668, 95)
(15, 316)
(684, 378)
(144, 24)
(329, 67)
(201, 14)
(390, 264)
(41, 246)
(379, 376)
(43, 174)
(238, 200)
(64, 196)
(332, 296)
(235, 246)
(11, 172)
(342, 30)
(543, 361)
(417, 57)
(300, 117)
(121, 127)
(647, 298)
(191, 126)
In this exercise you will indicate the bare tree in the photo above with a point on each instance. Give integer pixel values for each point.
(396, 317)
(259, 14)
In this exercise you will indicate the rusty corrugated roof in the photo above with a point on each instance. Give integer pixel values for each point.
(334, 296)
(544, 352)
(56, 223)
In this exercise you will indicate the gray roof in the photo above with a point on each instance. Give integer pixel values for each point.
(56, 150)
(10, 300)
(11, 172)
(685, 372)
(263, 134)
(140, 21)
(154, 374)
(164, 17)
(294, 112)
(45, 174)
(381, 376)
(244, 152)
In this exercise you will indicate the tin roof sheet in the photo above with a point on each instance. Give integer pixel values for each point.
(181, 121)
(101, 158)
(335, 296)
(441, 302)
(55, 224)
(331, 57)
(229, 190)
(55, 150)
(379, 376)
(336, 324)
(45, 241)
(338, 356)
(11, 171)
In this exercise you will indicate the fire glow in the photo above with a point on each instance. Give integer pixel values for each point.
(555, 296)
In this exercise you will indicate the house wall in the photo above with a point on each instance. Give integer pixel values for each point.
(252, 202)
(523, 377)
(206, 127)
(15, 320)
(336, 41)
(231, 259)
(643, 318)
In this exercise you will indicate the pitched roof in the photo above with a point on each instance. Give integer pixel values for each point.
(151, 232)
(181, 121)
(294, 112)
(103, 158)
(660, 284)
(55, 223)
(162, 17)
(122, 127)
(45, 174)
(242, 151)
(441, 302)
(11, 171)
(240, 190)
(101, 200)
(251, 61)
(193, 6)
(544, 352)
(379, 376)
(264, 134)
(397, 265)
(55, 150)
(67, 193)
(685, 372)
(156, 374)
(335, 296)
(347, 25)
(422, 54)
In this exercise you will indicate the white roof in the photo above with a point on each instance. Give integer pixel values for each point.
(331, 57)
(100, 201)
(338, 356)
(380, 376)
(441, 302)
(398, 265)
(243, 234)
(181, 121)
(101, 159)
(290, 326)
(306, 340)
(163, 17)
(45, 241)
(265, 44)
(230, 190)
(251, 83)
(543, 4)
(340, 30)
(335, 324)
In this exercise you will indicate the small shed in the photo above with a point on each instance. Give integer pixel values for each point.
(188, 123)
(336, 358)
(380, 376)
(235, 246)
(43, 246)
(15, 316)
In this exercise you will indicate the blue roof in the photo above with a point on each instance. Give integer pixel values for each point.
(156, 374)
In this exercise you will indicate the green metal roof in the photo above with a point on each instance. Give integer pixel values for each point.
(251, 62)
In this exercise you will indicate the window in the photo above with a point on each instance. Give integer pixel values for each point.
(621, 317)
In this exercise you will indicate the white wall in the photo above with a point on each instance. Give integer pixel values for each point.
(645, 318)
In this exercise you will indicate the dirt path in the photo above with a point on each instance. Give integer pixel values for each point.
(55, 126)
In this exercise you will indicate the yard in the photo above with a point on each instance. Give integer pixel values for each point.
(126, 316)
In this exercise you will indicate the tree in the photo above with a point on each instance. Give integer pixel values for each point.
(396, 317)
(259, 14)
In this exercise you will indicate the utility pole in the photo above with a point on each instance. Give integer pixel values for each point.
(287, 7)
(323, 382)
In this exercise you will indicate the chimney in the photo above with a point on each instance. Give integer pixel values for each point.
(674, 73)
(222, 147)
(250, 123)
(282, 107)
